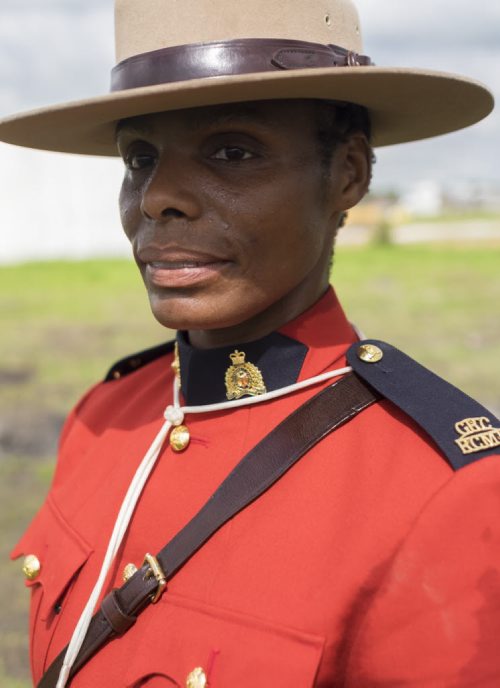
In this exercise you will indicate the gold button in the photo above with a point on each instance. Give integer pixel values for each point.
(117, 375)
(179, 438)
(197, 679)
(128, 571)
(369, 353)
(31, 567)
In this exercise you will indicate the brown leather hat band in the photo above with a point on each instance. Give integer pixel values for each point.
(225, 58)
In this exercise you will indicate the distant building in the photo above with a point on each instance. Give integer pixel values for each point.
(424, 199)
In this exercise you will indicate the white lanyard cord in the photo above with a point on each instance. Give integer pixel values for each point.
(174, 415)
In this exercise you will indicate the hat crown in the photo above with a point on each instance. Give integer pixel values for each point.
(146, 25)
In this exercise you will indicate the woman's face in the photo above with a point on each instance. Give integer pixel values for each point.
(231, 214)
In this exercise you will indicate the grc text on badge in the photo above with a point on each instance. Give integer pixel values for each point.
(477, 434)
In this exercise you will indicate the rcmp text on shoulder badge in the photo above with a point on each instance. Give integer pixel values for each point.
(243, 378)
(477, 434)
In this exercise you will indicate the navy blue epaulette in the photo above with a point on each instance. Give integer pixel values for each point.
(131, 363)
(463, 429)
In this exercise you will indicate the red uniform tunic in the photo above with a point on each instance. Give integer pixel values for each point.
(370, 563)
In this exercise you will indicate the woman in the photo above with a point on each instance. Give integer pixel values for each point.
(374, 559)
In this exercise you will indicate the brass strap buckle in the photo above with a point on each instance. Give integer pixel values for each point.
(156, 571)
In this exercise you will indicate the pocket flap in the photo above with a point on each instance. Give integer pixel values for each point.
(60, 550)
(182, 637)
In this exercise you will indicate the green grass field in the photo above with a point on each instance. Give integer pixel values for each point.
(64, 323)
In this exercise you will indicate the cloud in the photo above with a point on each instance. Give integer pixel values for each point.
(60, 54)
(74, 6)
(438, 26)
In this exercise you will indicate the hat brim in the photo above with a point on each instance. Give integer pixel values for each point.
(405, 105)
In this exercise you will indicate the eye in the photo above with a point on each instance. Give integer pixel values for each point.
(140, 156)
(139, 161)
(232, 154)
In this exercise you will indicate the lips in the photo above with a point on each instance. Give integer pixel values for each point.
(179, 267)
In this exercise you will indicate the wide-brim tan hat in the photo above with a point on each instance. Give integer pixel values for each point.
(176, 54)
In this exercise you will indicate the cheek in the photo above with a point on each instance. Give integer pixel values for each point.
(129, 204)
(285, 234)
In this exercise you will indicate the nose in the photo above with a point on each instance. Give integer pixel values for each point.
(170, 193)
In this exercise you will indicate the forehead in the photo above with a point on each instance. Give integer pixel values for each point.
(270, 114)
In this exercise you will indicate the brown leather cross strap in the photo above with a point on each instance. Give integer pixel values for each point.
(225, 58)
(253, 475)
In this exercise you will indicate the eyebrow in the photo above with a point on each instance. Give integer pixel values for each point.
(130, 125)
(237, 112)
(227, 114)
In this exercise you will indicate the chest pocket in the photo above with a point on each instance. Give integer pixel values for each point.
(59, 553)
(185, 643)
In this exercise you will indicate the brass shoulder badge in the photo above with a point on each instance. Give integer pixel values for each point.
(477, 434)
(243, 378)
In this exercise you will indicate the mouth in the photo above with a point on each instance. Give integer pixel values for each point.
(175, 268)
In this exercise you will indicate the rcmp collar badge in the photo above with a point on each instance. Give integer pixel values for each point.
(243, 378)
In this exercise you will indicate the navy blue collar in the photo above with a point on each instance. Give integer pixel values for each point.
(203, 371)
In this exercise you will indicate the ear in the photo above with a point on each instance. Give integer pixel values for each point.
(351, 171)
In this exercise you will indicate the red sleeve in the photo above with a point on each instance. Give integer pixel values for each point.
(435, 620)
(70, 419)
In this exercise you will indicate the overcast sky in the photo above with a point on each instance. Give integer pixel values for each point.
(57, 50)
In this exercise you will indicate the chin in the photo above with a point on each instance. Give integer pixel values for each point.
(189, 314)
(197, 313)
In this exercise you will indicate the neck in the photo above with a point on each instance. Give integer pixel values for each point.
(275, 316)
